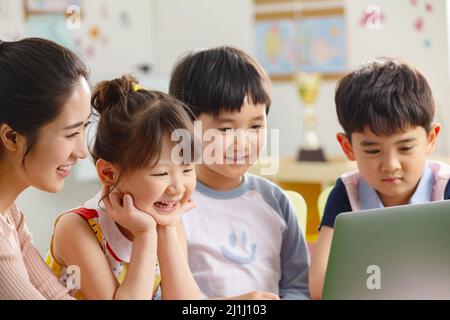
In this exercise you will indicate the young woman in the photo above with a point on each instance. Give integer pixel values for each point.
(44, 109)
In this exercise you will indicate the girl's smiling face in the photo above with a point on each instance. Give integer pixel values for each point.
(163, 188)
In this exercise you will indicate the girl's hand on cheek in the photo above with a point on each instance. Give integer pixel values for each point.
(121, 209)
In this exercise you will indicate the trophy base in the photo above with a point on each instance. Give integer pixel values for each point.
(311, 155)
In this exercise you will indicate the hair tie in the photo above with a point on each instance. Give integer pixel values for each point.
(135, 86)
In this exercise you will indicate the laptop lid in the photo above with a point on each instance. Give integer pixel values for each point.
(391, 253)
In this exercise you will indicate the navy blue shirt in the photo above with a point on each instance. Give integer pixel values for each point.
(338, 202)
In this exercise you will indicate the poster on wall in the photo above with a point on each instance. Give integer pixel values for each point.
(48, 19)
(48, 6)
(51, 27)
(302, 41)
(275, 46)
(322, 45)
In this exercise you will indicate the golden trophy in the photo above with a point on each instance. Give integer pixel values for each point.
(307, 85)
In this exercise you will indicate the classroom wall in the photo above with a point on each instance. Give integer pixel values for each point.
(230, 22)
(185, 25)
(113, 37)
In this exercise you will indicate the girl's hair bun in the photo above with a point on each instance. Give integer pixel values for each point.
(113, 94)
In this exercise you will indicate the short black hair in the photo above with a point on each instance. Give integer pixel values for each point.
(219, 79)
(385, 95)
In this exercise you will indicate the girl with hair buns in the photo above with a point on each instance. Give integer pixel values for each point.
(127, 240)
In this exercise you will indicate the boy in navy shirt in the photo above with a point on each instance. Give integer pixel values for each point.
(386, 109)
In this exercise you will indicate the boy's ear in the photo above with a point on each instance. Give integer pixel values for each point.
(106, 172)
(432, 136)
(346, 146)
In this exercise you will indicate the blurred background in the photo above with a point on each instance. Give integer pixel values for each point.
(145, 37)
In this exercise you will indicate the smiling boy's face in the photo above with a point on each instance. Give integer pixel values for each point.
(393, 165)
(231, 144)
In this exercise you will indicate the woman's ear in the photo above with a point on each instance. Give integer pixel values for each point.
(346, 146)
(106, 172)
(432, 136)
(11, 140)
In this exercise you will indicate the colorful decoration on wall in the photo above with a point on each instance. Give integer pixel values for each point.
(418, 24)
(94, 32)
(95, 38)
(46, 18)
(423, 9)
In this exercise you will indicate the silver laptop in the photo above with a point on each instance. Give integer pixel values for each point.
(392, 253)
